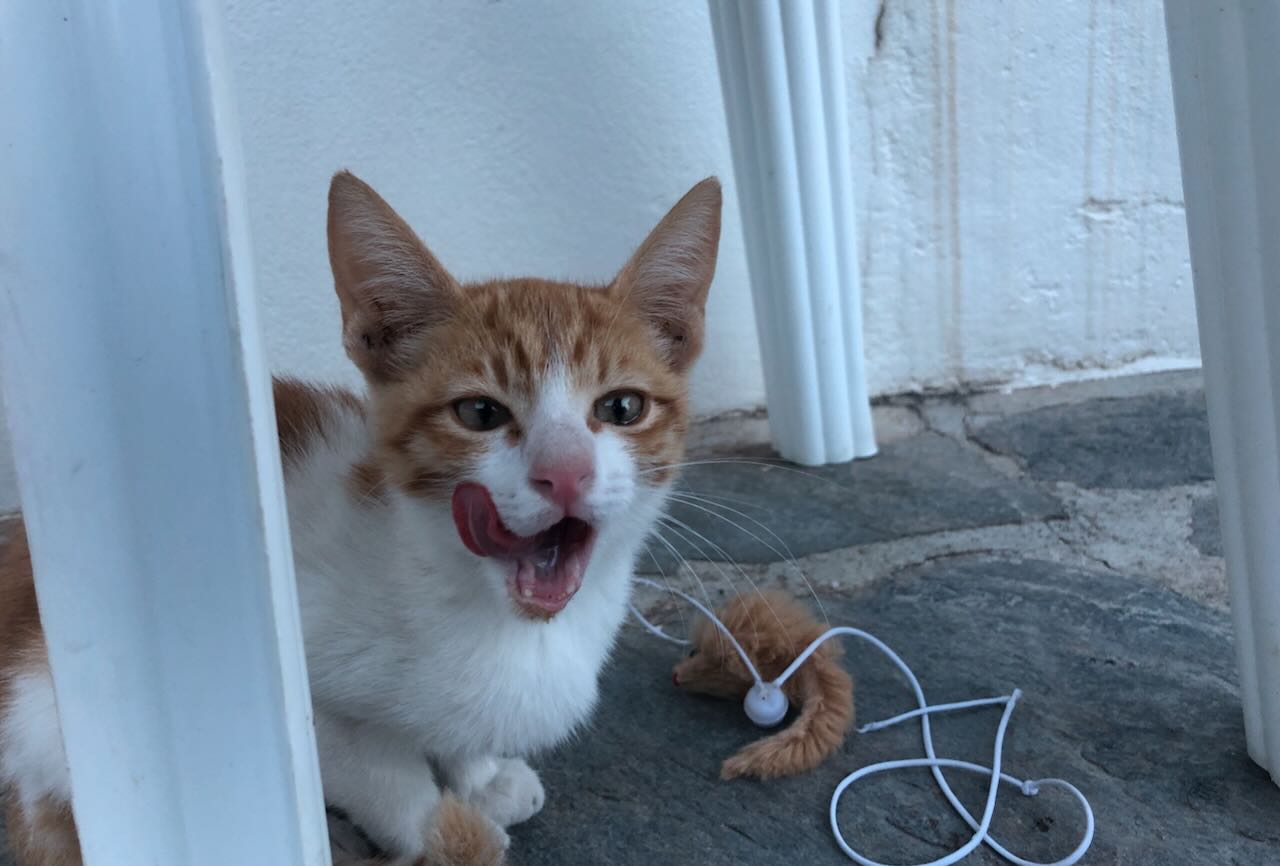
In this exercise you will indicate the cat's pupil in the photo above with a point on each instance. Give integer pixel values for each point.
(620, 408)
(481, 413)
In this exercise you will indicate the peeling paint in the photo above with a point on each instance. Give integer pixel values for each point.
(1110, 208)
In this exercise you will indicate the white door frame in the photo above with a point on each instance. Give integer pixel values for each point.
(142, 421)
(1226, 88)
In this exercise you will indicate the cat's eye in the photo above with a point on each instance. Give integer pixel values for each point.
(620, 407)
(481, 413)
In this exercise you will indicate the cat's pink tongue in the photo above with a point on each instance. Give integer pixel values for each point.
(480, 527)
(548, 567)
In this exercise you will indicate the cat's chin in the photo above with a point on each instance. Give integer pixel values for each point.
(543, 571)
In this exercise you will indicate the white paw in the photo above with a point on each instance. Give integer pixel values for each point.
(513, 795)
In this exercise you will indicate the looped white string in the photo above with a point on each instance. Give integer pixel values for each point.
(981, 834)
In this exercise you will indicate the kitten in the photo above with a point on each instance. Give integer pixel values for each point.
(463, 537)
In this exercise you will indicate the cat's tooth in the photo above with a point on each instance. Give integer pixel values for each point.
(546, 558)
(527, 592)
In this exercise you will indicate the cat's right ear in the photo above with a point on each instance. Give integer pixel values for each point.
(668, 277)
(392, 290)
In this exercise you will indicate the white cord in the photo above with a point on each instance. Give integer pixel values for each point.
(981, 834)
(705, 611)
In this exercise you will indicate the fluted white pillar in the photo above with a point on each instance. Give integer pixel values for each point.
(782, 76)
(144, 433)
(1226, 87)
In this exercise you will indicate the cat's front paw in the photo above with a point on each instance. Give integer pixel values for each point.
(513, 795)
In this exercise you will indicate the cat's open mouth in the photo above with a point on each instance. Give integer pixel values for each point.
(545, 569)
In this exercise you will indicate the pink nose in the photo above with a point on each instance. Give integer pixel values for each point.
(563, 482)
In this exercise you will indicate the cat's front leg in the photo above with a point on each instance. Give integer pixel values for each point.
(384, 783)
(505, 789)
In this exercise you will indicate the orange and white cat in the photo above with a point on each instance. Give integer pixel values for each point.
(464, 535)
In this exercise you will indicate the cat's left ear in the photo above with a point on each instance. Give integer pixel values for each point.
(668, 277)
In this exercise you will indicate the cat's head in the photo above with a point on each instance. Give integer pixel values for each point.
(542, 417)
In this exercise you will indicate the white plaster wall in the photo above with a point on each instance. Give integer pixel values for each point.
(1019, 191)
(1015, 162)
(517, 137)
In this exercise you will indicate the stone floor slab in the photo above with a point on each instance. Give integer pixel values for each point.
(1130, 694)
(1206, 534)
(915, 486)
(1149, 441)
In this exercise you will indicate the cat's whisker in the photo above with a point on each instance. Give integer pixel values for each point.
(681, 558)
(692, 498)
(721, 498)
(712, 461)
(370, 497)
(748, 577)
(785, 554)
(705, 505)
(673, 522)
(676, 526)
(684, 622)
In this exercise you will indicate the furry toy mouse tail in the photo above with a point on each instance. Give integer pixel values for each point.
(824, 691)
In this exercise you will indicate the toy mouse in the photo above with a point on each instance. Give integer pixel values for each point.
(773, 628)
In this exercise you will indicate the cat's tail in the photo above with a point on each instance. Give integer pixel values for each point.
(461, 836)
(824, 690)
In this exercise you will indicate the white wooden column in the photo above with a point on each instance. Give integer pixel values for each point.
(144, 436)
(1226, 87)
(782, 76)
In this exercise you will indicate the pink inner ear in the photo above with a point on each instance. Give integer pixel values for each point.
(670, 274)
(390, 286)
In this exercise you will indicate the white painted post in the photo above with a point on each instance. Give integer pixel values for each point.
(782, 76)
(145, 439)
(1226, 82)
